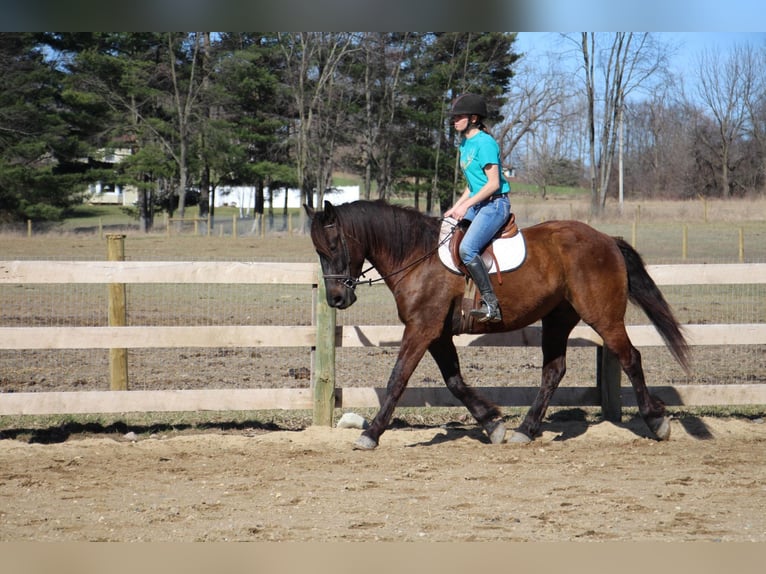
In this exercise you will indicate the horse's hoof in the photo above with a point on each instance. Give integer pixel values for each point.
(496, 432)
(660, 427)
(365, 443)
(519, 438)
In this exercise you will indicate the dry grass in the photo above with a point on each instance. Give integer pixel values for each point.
(713, 229)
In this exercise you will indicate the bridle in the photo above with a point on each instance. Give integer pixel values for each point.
(346, 280)
(349, 282)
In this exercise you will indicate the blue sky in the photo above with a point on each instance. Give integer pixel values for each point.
(692, 44)
(689, 45)
(656, 15)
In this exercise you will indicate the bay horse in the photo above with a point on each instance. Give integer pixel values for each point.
(572, 272)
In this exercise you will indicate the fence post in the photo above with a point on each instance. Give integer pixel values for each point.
(118, 358)
(608, 377)
(324, 354)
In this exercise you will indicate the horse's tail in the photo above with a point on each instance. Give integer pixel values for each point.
(643, 291)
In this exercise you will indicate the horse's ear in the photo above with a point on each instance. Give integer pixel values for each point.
(309, 210)
(329, 211)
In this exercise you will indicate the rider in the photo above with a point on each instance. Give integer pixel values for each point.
(484, 202)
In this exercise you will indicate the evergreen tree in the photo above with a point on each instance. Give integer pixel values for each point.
(251, 121)
(41, 146)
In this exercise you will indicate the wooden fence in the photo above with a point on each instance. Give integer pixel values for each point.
(324, 336)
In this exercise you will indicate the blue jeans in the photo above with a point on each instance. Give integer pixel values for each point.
(487, 218)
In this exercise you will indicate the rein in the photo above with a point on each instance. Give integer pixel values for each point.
(350, 283)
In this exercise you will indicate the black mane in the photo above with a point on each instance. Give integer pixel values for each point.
(400, 231)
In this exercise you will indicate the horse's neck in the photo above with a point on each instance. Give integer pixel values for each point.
(388, 261)
(381, 249)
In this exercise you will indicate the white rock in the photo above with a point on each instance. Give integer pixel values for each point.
(351, 421)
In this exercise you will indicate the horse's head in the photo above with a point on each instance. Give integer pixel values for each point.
(340, 255)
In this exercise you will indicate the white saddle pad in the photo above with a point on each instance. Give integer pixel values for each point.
(510, 253)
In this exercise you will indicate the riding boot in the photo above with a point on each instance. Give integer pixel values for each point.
(490, 309)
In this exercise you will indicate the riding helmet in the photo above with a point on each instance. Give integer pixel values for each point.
(471, 104)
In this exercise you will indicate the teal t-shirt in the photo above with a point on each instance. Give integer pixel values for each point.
(475, 154)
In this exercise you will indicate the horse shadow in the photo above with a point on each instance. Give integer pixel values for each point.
(568, 424)
(453, 432)
(63, 432)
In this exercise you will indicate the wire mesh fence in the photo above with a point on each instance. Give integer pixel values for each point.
(81, 304)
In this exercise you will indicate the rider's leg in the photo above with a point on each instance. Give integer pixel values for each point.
(489, 310)
(487, 218)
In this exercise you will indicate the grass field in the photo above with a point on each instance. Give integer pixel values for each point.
(663, 231)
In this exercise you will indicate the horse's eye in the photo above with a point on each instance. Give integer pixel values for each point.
(330, 248)
(334, 243)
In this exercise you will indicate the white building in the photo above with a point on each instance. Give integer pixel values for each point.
(243, 197)
(112, 194)
(103, 192)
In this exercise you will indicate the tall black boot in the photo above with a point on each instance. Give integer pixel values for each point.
(490, 309)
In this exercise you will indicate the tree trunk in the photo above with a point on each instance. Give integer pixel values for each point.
(204, 193)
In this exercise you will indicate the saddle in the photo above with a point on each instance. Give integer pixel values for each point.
(510, 229)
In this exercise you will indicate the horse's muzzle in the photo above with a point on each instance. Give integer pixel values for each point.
(340, 295)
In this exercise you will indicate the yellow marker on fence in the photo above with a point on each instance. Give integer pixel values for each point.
(741, 245)
(633, 233)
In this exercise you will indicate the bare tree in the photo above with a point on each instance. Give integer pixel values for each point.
(725, 90)
(384, 55)
(538, 114)
(658, 142)
(535, 99)
(614, 65)
(311, 60)
(185, 96)
(756, 109)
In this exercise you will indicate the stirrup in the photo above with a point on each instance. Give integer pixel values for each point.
(487, 313)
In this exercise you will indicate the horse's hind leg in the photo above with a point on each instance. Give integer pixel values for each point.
(652, 410)
(556, 328)
(486, 414)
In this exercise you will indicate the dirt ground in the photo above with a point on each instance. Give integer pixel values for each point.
(582, 480)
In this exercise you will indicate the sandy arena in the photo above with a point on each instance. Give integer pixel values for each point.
(581, 480)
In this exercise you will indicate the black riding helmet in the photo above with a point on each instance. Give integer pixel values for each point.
(470, 104)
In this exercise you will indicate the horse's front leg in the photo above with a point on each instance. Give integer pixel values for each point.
(413, 347)
(486, 414)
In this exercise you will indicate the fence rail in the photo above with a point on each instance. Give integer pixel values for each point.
(324, 336)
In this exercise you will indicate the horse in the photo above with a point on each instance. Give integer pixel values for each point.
(571, 272)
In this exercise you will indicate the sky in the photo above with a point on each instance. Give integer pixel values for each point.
(687, 47)
(379, 15)
(692, 44)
